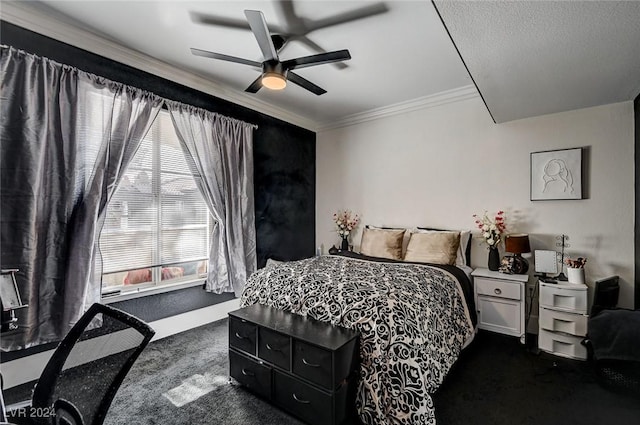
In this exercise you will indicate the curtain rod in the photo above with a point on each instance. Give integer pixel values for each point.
(124, 86)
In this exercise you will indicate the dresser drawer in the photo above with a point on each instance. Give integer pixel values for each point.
(242, 335)
(313, 363)
(274, 347)
(562, 344)
(309, 404)
(248, 372)
(562, 297)
(561, 321)
(497, 288)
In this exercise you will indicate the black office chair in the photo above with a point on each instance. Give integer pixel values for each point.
(606, 294)
(612, 339)
(82, 377)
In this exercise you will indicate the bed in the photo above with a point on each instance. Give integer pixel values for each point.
(414, 320)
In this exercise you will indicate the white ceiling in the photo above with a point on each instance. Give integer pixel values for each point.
(527, 58)
(530, 58)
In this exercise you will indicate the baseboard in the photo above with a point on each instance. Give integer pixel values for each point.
(29, 368)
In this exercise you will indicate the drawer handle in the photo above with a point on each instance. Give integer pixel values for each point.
(295, 397)
(245, 372)
(240, 336)
(497, 291)
(270, 348)
(309, 364)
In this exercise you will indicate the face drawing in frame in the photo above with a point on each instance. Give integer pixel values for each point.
(556, 171)
(556, 174)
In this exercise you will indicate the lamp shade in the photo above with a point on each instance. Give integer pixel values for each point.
(517, 243)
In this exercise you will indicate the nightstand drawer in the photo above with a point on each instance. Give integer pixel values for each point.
(561, 321)
(500, 315)
(242, 335)
(563, 297)
(274, 347)
(312, 363)
(497, 288)
(562, 344)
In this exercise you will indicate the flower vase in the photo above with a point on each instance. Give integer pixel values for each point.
(345, 244)
(494, 259)
(575, 275)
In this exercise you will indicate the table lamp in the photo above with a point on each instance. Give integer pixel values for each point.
(518, 244)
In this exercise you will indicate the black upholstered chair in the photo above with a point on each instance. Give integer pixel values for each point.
(82, 377)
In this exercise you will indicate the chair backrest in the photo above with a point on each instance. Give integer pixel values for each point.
(606, 293)
(90, 363)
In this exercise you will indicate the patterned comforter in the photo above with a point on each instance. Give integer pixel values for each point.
(413, 320)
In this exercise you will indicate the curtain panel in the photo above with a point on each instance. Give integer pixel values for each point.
(219, 151)
(66, 136)
(125, 115)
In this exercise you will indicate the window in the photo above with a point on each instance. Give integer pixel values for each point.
(156, 230)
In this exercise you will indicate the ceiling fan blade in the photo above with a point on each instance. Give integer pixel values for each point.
(203, 18)
(314, 46)
(363, 12)
(313, 60)
(255, 86)
(259, 27)
(305, 84)
(286, 10)
(213, 55)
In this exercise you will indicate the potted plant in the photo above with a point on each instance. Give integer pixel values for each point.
(575, 269)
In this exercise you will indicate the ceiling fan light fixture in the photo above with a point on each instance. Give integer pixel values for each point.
(274, 81)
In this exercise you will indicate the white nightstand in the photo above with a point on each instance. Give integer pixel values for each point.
(563, 319)
(500, 301)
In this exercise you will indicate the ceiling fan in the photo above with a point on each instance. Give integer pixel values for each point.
(295, 27)
(275, 73)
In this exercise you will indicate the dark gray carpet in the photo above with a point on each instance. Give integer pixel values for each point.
(191, 362)
(496, 381)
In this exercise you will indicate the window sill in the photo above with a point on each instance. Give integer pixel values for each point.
(144, 292)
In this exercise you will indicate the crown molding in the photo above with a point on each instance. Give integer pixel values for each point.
(25, 15)
(430, 101)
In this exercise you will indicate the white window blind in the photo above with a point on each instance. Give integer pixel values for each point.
(157, 224)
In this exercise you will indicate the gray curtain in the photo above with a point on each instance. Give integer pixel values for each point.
(126, 115)
(49, 164)
(219, 151)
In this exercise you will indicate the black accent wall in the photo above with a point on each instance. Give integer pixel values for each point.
(636, 229)
(284, 169)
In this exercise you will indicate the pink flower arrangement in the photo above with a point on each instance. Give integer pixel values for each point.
(345, 222)
(491, 229)
(578, 263)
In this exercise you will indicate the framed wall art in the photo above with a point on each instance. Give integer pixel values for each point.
(556, 174)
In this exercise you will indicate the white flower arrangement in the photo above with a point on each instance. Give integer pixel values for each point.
(345, 222)
(491, 229)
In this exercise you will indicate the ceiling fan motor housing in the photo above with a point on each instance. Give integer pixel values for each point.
(274, 66)
(274, 75)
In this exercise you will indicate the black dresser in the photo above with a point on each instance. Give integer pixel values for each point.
(306, 367)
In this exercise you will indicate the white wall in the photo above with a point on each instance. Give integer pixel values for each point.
(438, 166)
